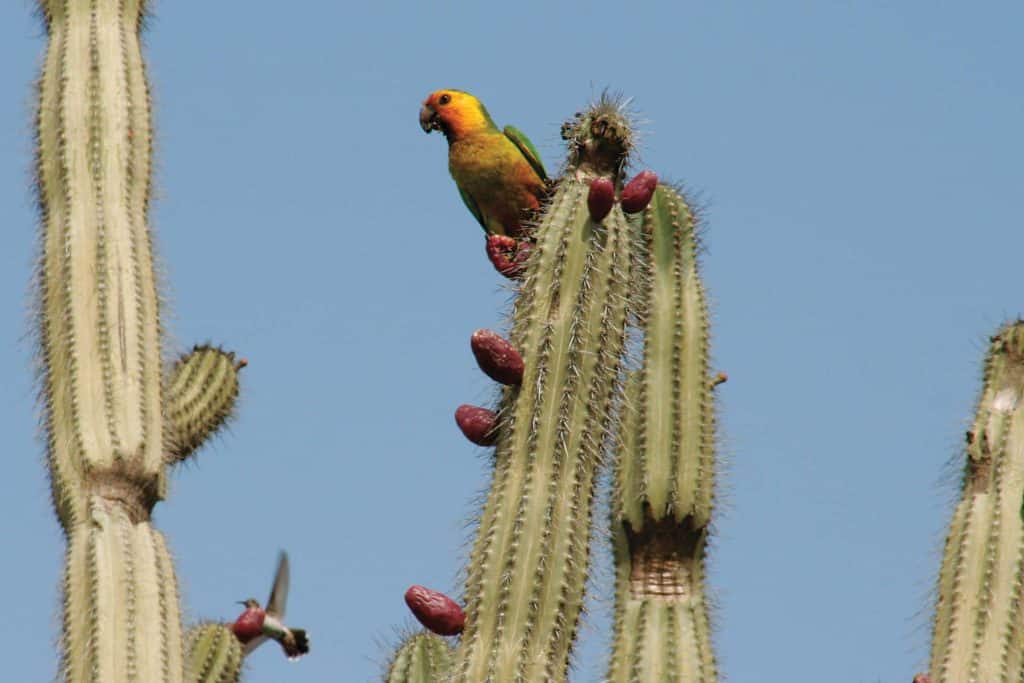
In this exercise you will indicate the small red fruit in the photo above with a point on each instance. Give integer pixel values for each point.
(600, 198)
(435, 610)
(497, 357)
(508, 255)
(637, 193)
(922, 678)
(477, 424)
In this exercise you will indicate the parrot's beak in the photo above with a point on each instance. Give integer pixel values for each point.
(428, 119)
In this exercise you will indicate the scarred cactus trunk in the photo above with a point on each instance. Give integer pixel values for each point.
(979, 617)
(664, 476)
(100, 340)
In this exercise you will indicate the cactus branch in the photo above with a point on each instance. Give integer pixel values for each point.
(979, 620)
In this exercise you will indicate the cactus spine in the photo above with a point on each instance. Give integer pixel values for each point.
(664, 475)
(979, 620)
(421, 658)
(528, 568)
(100, 339)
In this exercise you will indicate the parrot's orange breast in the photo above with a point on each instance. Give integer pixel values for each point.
(492, 170)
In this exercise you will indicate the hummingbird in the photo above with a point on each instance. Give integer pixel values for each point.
(256, 625)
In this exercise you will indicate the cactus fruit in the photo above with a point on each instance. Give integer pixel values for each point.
(508, 255)
(421, 658)
(477, 424)
(497, 357)
(529, 563)
(638, 192)
(214, 654)
(435, 610)
(600, 198)
(979, 616)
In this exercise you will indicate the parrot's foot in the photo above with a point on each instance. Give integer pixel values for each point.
(508, 255)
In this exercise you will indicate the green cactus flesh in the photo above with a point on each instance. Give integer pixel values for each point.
(979, 620)
(664, 474)
(214, 654)
(100, 345)
(120, 600)
(671, 467)
(421, 658)
(528, 567)
(99, 306)
(201, 395)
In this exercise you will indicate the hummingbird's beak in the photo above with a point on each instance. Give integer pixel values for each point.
(241, 602)
(428, 119)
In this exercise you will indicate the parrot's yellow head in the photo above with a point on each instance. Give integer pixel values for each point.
(455, 113)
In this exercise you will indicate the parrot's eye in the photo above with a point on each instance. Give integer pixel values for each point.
(444, 99)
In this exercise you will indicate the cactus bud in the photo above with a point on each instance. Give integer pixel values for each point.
(435, 610)
(477, 424)
(637, 193)
(600, 198)
(508, 255)
(497, 357)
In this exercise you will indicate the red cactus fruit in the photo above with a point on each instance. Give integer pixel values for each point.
(435, 610)
(497, 357)
(922, 678)
(600, 198)
(637, 193)
(508, 255)
(477, 424)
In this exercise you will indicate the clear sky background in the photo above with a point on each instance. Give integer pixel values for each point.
(861, 167)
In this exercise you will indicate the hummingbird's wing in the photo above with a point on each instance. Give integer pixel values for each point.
(278, 599)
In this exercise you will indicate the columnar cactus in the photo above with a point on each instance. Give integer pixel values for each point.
(528, 568)
(590, 271)
(664, 475)
(108, 441)
(979, 620)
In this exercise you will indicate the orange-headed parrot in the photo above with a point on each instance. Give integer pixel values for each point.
(498, 172)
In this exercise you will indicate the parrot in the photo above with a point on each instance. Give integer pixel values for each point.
(499, 174)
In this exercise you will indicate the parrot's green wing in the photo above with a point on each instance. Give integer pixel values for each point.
(526, 147)
(471, 205)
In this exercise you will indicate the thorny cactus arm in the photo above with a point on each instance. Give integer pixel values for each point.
(664, 475)
(201, 394)
(979, 620)
(528, 567)
(421, 658)
(100, 342)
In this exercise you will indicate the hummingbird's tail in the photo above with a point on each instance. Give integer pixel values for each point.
(297, 645)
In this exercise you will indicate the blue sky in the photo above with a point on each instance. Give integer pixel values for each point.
(860, 165)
